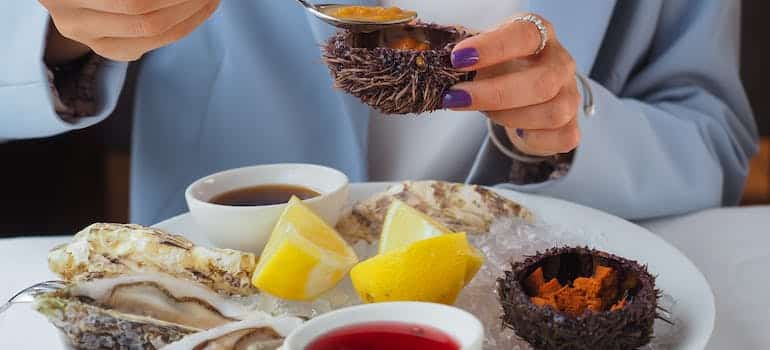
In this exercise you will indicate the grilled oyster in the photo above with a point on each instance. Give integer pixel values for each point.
(140, 311)
(461, 208)
(253, 334)
(109, 250)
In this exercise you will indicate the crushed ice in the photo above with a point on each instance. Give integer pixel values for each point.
(507, 241)
(512, 240)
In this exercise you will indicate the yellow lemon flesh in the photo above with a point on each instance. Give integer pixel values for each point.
(304, 256)
(474, 263)
(404, 225)
(432, 270)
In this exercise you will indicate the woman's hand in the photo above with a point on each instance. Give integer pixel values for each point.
(534, 96)
(122, 30)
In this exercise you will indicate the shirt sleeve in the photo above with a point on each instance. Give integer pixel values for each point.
(680, 137)
(28, 104)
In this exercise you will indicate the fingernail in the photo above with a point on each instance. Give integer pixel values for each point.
(465, 57)
(456, 99)
(520, 133)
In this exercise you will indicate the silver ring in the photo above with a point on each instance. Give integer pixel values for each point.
(537, 22)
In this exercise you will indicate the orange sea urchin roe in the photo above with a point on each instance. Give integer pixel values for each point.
(370, 13)
(595, 293)
(408, 43)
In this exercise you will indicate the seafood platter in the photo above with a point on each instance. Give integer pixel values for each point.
(418, 265)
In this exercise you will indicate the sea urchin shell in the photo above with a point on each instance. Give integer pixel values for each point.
(545, 328)
(392, 80)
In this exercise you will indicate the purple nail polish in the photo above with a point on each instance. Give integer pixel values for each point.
(520, 133)
(456, 99)
(465, 57)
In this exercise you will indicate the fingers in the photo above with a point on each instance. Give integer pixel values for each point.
(126, 7)
(125, 29)
(555, 113)
(540, 83)
(513, 39)
(91, 24)
(546, 142)
(129, 49)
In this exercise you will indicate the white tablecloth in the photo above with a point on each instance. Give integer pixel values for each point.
(730, 246)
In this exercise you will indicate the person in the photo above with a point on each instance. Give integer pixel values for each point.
(659, 126)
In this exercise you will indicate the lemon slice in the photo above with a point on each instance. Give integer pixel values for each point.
(430, 270)
(404, 225)
(304, 256)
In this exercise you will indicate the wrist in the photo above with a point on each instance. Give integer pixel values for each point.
(61, 50)
(498, 135)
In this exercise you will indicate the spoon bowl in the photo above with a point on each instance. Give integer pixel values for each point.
(322, 12)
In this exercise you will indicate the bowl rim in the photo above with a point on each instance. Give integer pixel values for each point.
(471, 321)
(191, 197)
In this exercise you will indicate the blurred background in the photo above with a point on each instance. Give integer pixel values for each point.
(61, 184)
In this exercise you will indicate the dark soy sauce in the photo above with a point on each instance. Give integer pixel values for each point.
(262, 195)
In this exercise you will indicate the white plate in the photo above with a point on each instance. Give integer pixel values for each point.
(677, 275)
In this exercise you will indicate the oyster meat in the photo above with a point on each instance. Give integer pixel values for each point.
(252, 334)
(461, 208)
(109, 250)
(140, 311)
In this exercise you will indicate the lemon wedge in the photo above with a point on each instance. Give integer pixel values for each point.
(430, 270)
(473, 265)
(304, 256)
(404, 225)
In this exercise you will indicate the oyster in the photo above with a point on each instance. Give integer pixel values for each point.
(140, 311)
(109, 250)
(252, 334)
(461, 208)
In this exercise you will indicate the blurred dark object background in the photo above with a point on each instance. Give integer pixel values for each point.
(64, 183)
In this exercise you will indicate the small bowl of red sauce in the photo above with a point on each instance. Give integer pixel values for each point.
(388, 326)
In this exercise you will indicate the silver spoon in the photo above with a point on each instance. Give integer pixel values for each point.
(322, 11)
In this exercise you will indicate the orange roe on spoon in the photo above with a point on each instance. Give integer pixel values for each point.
(370, 13)
(596, 293)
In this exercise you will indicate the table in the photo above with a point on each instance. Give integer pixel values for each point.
(732, 249)
(730, 246)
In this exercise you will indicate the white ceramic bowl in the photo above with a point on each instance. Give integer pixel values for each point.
(465, 328)
(248, 228)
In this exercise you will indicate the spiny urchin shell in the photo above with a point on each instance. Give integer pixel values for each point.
(396, 81)
(545, 328)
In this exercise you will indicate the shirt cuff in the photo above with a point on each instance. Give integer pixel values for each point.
(525, 173)
(73, 87)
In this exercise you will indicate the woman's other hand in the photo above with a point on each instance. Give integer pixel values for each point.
(533, 95)
(121, 30)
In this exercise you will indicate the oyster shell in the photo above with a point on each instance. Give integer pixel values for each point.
(252, 334)
(461, 208)
(88, 326)
(109, 250)
(140, 311)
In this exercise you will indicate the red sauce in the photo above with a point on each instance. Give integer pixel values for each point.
(384, 336)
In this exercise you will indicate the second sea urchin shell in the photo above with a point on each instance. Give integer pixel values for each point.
(393, 80)
(628, 327)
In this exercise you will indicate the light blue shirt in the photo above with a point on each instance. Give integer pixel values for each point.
(673, 132)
